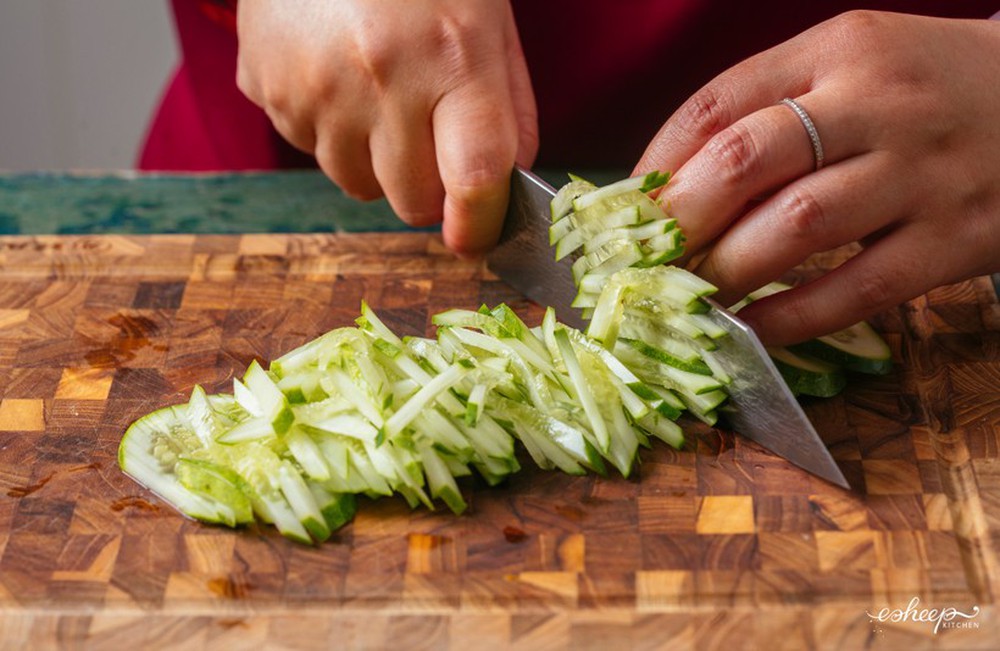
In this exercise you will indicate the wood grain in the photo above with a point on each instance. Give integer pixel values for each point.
(718, 545)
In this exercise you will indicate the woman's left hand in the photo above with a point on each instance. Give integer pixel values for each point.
(908, 112)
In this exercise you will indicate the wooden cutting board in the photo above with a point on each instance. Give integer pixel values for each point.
(720, 545)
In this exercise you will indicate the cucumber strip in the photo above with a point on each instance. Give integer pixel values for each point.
(280, 513)
(532, 427)
(337, 508)
(489, 439)
(703, 405)
(246, 399)
(272, 402)
(422, 398)
(351, 425)
(219, 484)
(336, 457)
(308, 455)
(441, 431)
(636, 232)
(562, 204)
(440, 480)
(371, 321)
(625, 443)
(506, 347)
(252, 429)
(696, 366)
(609, 223)
(474, 405)
(666, 339)
(302, 387)
(360, 462)
(709, 327)
(643, 184)
(303, 504)
(607, 260)
(582, 390)
(201, 415)
(657, 372)
(586, 299)
(583, 225)
(337, 382)
(663, 428)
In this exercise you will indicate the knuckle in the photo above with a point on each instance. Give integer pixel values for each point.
(481, 175)
(355, 186)
(875, 291)
(859, 27)
(803, 215)
(457, 41)
(375, 52)
(736, 153)
(707, 112)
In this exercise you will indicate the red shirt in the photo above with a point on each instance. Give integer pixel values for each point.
(606, 74)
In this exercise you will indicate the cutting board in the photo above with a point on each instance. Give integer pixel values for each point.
(718, 545)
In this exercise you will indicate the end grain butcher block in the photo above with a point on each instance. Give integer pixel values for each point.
(719, 545)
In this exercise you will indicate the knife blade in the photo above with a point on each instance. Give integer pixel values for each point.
(761, 407)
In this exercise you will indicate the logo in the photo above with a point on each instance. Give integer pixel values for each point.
(940, 618)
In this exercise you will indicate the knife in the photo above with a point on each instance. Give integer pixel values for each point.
(761, 406)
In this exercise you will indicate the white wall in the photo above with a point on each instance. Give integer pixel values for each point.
(79, 80)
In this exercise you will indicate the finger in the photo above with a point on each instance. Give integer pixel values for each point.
(300, 134)
(475, 137)
(758, 82)
(522, 96)
(404, 161)
(756, 155)
(343, 155)
(881, 276)
(818, 212)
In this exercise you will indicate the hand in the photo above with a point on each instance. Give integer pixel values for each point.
(908, 112)
(427, 101)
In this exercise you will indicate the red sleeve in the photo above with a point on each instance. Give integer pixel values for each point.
(222, 12)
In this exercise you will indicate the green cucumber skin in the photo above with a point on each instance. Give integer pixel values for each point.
(807, 383)
(827, 353)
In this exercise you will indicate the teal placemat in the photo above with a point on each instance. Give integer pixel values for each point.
(269, 202)
(303, 201)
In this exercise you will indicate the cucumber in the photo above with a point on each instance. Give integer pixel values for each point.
(806, 375)
(149, 452)
(857, 348)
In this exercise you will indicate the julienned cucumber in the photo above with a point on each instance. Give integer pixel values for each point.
(647, 313)
(361, 410)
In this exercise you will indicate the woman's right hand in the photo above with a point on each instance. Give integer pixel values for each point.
(427, 102)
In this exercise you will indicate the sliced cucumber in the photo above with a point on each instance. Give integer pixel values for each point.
(857, 348)
(807, 375)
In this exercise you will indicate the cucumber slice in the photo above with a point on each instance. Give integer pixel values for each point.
(807, 375)
(149, 452)
(857, 348)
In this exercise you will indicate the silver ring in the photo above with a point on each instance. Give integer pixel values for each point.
(810, 130)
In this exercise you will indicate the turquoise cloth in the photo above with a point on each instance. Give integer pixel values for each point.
(269, 202)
